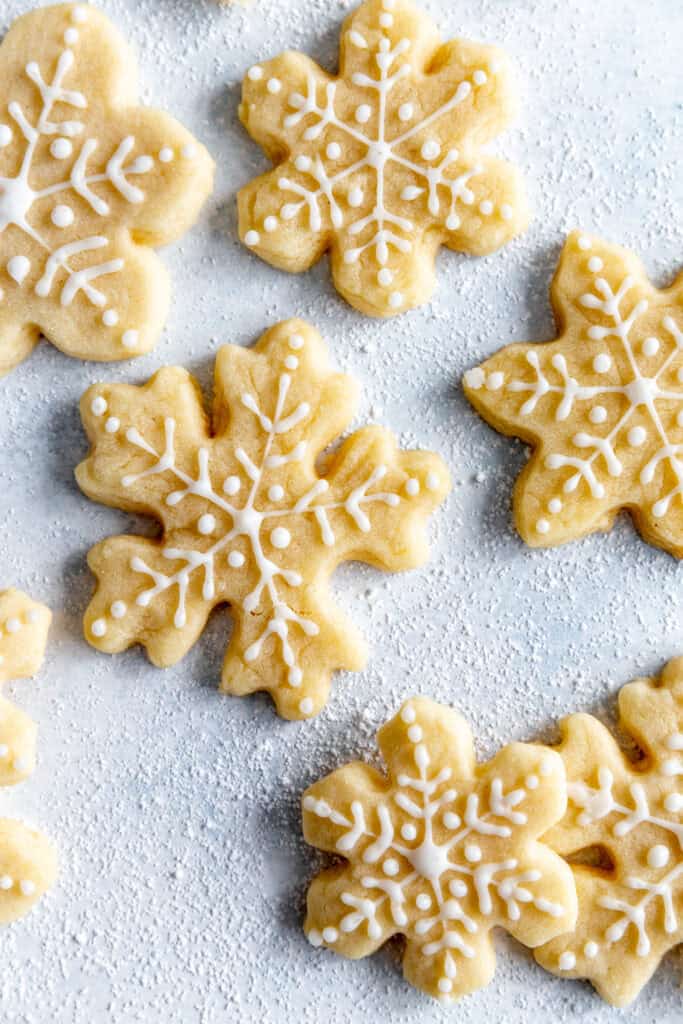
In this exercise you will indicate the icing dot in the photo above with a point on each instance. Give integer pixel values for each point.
(13, 625)
(598, 414)
(390, 866)
(6, 882)
(305, 707)
(675, 741)
(506, 211)
(252, 238)
(291, 362)
(451, 820)
(330, 934)
(79, 15)
(405, 111)
(415, 734)
(62, 216)
(408, 831)
(110, 318)
(650, 347)
(602, 363)
(18, 267)
(355, 196)
(554, 506)
(314, 937)
(231, 485)
(71, 36)
(542, 526)
(486, 207)
(295, 676)
(280, 537)
(255, 73)
(674, 802)
(61, 149)
(432, 482)
(296, 341)
(395, 300)
(386, 20)
(567, 961)
(412, 486)
(276, 492)
(363, 113)
(333, 151)
(423, 901)
(165, 154)
(658, 856)
(472, 853)
(546, 767)
(385, 277)
(445, 985)
(595, 264)
(118, 609)
(270, 223)
(494, 381)
(430, 150)
(584, 243)
(235, 559)
(590, 950)
(188, 151)
(274, 85)
(636, 436)
(27, 887)
(475, 378)
(206, 523)
(98, 406)
(99, 627)
(112, 424)
(531, 782)
(5, 135)
(408, 714)
(130, 339)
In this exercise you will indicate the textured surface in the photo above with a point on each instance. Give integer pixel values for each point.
(176, 809)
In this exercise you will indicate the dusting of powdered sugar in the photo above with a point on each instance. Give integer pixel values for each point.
(176, 809)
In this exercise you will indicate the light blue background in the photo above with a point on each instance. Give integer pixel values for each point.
(175, 808)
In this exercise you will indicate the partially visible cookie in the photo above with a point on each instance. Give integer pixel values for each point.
(254, 513)
(624, 831)
(28, 862)
(602, 405)
(89, 181)
(441, 850)
(384, 163)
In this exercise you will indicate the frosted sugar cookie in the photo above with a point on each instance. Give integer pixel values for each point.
(249, 516)
(602, 405)
(89, 181)
(383, 163)
(28, 863)
(628, 813)
(441, 850)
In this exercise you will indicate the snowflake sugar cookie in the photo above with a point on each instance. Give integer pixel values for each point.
(603, 404)
(28, 864)
(441, 851)
(382, 164)
(247, 518)
(631, 908)
(88, 182)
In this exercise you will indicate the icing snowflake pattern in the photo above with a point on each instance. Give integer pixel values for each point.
(85, 187)
(442, 851)
(27, 862)
(632, 911)
(383, 163)
(248, 519)
(604, 403)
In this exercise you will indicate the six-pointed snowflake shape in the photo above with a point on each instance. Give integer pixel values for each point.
(382, 164)
(603, 404)
(27, 860)
(88, 182)
(247, 517)
(442, 851)
(630, 909)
